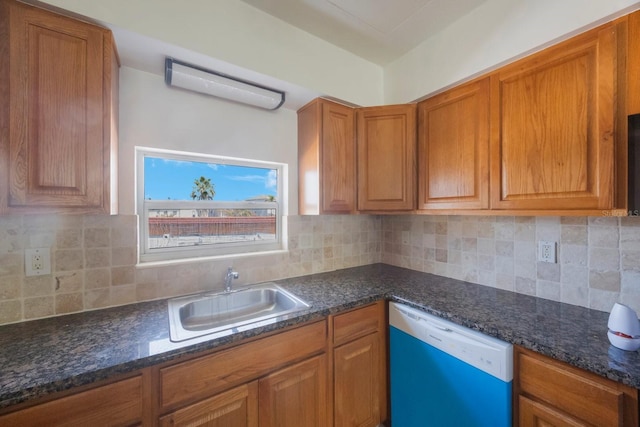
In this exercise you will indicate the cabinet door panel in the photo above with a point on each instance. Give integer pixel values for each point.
(338, 179)
(357, 382)
(386, 145)
(453, 150)
(553, 127)
(56, 131)
(234, 408)
(535, 414)
(295, 396)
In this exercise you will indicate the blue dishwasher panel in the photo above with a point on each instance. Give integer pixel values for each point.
(432, 388)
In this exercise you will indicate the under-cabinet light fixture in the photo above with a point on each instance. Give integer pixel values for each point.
(197, 79)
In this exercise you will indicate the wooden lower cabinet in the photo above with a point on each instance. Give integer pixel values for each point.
(357, 382)
(117, 404)
(549, 393)
(237, 407)
(295, 396)
(360, 367)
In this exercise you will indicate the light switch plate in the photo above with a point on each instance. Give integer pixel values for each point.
(37, 261)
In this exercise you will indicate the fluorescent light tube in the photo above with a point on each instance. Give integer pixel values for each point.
(198, 79)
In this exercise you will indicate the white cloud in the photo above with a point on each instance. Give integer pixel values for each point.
(272, 179)
(247, 178)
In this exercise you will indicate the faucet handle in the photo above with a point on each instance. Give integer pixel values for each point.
(232, 274)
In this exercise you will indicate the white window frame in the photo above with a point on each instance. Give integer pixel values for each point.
(146, 254)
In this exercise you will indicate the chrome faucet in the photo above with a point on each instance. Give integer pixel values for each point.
(229, 277)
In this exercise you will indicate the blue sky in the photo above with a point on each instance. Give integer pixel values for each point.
(173, 179)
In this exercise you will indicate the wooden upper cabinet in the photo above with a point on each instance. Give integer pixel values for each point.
(386, 147)
(59, 83)
(326, 158)
(453, 148)
(553, 114)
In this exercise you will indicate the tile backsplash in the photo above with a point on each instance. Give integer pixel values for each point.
(93, 261)
(598, 258)
(94, 257)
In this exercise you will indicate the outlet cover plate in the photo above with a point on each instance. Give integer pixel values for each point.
(37, 261)
(547, 251)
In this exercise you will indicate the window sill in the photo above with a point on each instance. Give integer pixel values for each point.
(162, 263)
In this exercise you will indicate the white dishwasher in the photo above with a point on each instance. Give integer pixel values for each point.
(446, 375)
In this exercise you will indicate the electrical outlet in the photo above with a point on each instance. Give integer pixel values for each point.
(37, 262)
(547, 251)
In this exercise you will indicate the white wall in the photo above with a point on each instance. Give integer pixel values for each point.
(232, 31)
(154, 115)
(497, 31)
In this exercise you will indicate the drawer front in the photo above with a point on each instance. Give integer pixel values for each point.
(576, 393)
(204, 376)
(117, 404)
(357, 323)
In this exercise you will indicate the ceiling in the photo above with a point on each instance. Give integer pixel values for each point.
(376, 30)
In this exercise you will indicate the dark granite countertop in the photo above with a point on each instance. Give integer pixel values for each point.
(44, 356)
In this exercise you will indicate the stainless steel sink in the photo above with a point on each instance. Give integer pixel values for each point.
(203, 314)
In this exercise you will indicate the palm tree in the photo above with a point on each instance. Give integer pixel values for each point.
(203, 189)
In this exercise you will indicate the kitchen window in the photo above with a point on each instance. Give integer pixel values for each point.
(194, 205)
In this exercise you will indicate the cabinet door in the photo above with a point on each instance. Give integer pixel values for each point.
(295, 396)
(237, 407)
(338, 178)
(326, 158)
(552, 128)
(357, 382)
(453, 148)
(386, 143)
(59, 128)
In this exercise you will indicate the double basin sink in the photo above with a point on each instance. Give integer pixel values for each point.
(237, 310)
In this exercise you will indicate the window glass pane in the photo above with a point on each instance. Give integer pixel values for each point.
(171, 228)
(199, 206)
(170, 179)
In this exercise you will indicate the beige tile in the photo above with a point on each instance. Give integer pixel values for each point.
(486, 230)
(97, 221)
(604, 221)
(548, 272)
(525, 285)
(441, 255)
(575, 295)
(35, 286)
(97, 237)
(10, 287)
(146, 291)
(10, 311)
(630, 281)
(630, 260)
(123, 275)
(574, 254)
(505, 248)
(121, 295)
(604, 259)
(486, 262)
(69, 303)
(67, 259)
(504, 228)
(525, 251)
(124, 256)
(573, 220)
(11, 264)
(97, 278)
(37, 307)
(505, 265)
(69, 238)
(69, 282)
(573, 235)
(505, 281)
(602, 300)
(525, 268)
(97, 298)
(575, 275)
(548, 290)
(604, 280)
(97, 257)
(604, 237)
(11, 240)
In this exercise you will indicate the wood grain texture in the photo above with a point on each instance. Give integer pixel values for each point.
(536, 414)
(116, 404)
(60, 75)
(357, 382)
(295, 396)
(552, 141)
(338, 159)
(326, 158)
(453, 148)
(633, 64)
(386, 144)
(356, 323)
(199, 378)
(237, 407)
(583, 396)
